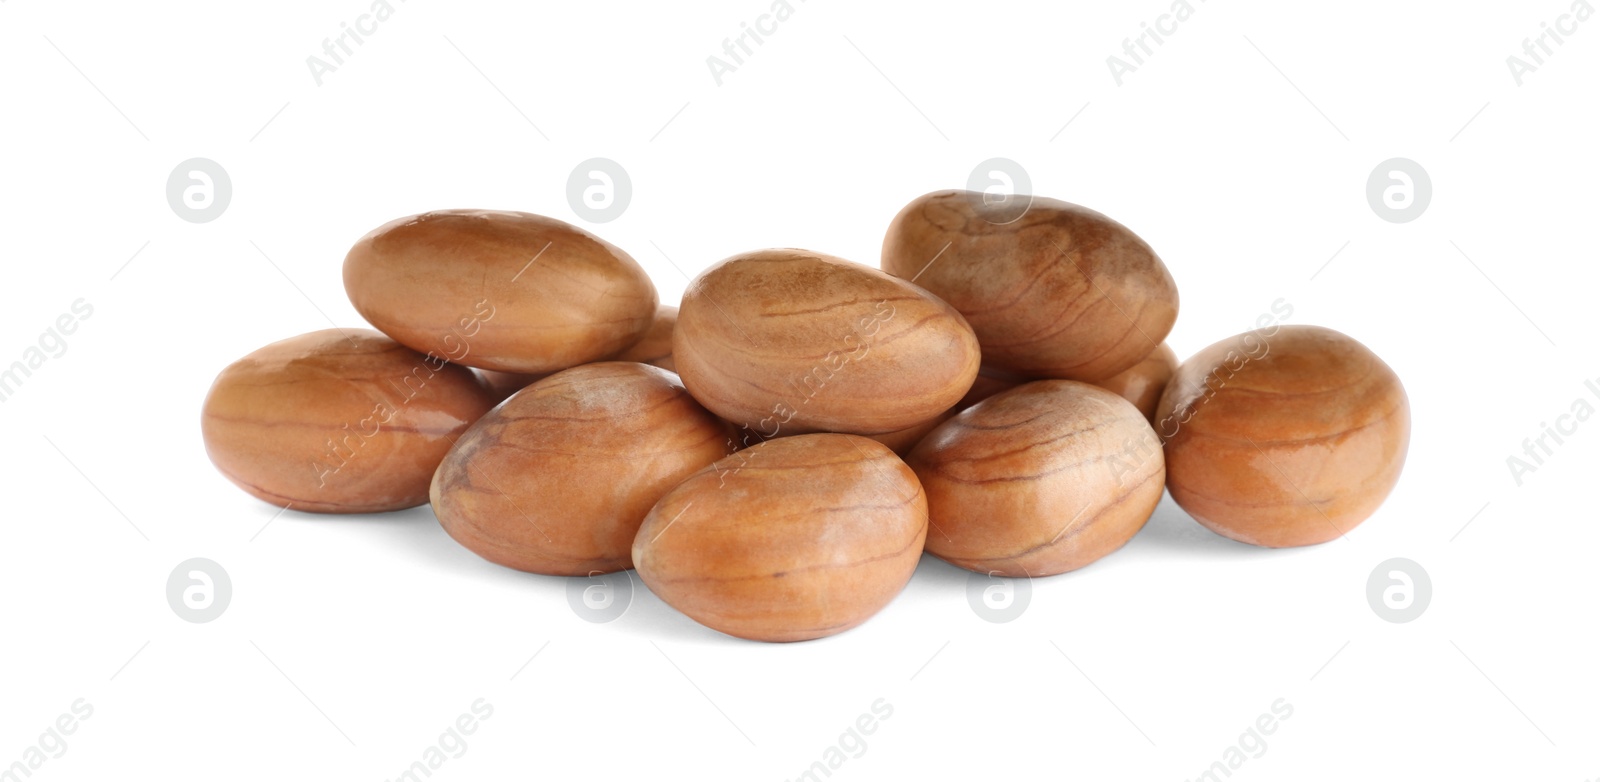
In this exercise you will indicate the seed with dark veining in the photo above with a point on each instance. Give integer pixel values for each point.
(557, 479)
(1061, 291)
(784, 342)
(338, 421)
(508, 291)
(1284, 437)
(792, 539)
(655, 347)
(1041, 479)
(1143, 382)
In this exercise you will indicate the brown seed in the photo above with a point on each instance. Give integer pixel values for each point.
(557, 479)
(1061, 291)
(1042, 479)
(989, 382)
(1284, 437)
(789, 540)
(901, 441)
(1143, 383)
(338, 421)
(790, 341)
(655, 348)
(504, 384)
(507, 291)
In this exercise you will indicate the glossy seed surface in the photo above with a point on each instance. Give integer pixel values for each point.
(1284, 437)
(507, 291)
(1041, 479)
(1060, 292)
(338, 421)
(557, 479)
(790, 341)
(792, 539)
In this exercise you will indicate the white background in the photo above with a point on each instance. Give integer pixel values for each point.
(1240, 151)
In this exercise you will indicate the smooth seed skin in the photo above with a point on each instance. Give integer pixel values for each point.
(989, 382)
(508, 291)
(789, 341)
(1038, 480)
(655, 348)
(901, 441)
(557, 479)
(338, 421)
(789, 540)
(1143, 383)
(504, 384)
(1284, 437)
(1060, 292)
